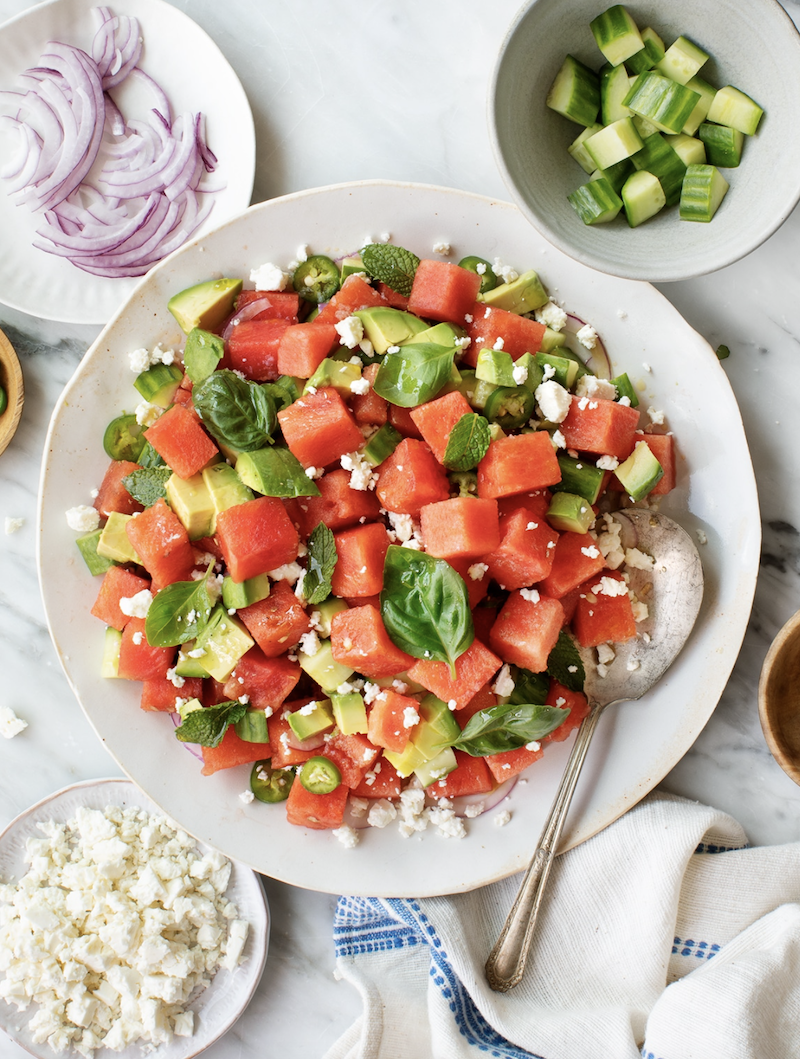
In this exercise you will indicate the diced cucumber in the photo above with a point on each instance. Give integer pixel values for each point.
(159, 383)
(700, 112)
(640, 473)
(733, 108)
(643, 197)
(575, 92)
(382, 444)
(614, 143)
(616, 34)
(579, 152)
(663, 102)
(723, 145)
(625, 388)
(689, 149)
(87, 545)
(616, 175)
(651, 53)
(596, 202)
(704, 188)
(614, 87)
(644, 127)
(564, 370)
(681, 61)
(252, 728)
(109, 667)
(579, 476)
(658, 158)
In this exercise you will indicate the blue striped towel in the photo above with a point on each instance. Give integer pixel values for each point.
(664, 936)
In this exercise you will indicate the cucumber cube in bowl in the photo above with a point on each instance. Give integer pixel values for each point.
(643, 197)
(615, 142)
(575, 92)
(704, 188)
(596, 202)
(617, 35)
(732, 107)
(723, 145)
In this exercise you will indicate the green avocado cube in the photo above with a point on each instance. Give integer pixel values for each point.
(206, 305)
(386, 327)
(313, 719)
(323, 667)
(522, 295)
(109, 667)
(225, 488)
(349, 712)
(239, 594)
(114, 542)
(191, 501)
(569, 512)
(223, 642)
(640, 473)
(437, 767)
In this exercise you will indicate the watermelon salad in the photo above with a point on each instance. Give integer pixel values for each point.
(357, 537)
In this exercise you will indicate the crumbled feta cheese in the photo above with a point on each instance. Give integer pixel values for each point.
(530, 594)
(371, 692)
(558, 439)
(602, 669)
(553, 400)
(609, 586)
(146, 413)
(269, 277)
(446, 822)
(82, 519)
(350, 330)
(607, 463)
(348, 836)
(633, 665)
(504, 684)
(520, 374)
(360, 386)
(622, 314)
(136, 606)
(362, 475)
(474, 809)
(381, 813)
(477, 571)
(608, 541)
(310, 645)
(498, 343)
(640, 611)
(442, 248)
(702, 537)
(502, 818)
(587, 336)
(605, 653)
(646, 366)
(142, 359)
(505, 273)
(638, 560)
(410, 717)
(12, 525)
(552, 316)
(174, 677)
(10, 724)
(591, 552)
(246, 797)
(534, 746)
(591, 386)
(656, 416)
(290, 572)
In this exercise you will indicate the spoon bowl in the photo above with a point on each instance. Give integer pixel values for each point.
(672, 587)
(11, 381)
(779, 698)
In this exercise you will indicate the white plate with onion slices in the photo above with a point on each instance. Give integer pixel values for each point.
(189, 69)
(636, 744)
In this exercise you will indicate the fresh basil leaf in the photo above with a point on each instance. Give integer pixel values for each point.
(204, 350)
(468, 443)
(425, 606)
(564, 663)
(178, 612)
(146, 485)
(322, 556)
(235, 411)
(508, 727)
(209, 725)
(284, 391)
(529, 687)
(391, 265)
(414, 374)
(275, 472)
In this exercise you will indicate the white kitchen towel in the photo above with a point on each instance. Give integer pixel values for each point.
(663, 936)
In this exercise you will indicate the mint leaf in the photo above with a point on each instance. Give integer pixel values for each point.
(322, 556)
(391, 265)
(146, 485)
(179, 612)
(508, 727)
(564, 663)
(209, 725)
(468, 442)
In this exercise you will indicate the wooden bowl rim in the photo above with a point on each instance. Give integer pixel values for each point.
(11, 379)
(772, 706)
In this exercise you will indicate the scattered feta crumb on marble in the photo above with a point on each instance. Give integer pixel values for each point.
(13, 525)
(10, 724)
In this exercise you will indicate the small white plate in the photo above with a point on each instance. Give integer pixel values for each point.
(217, 1007)
(636, 743)
(195, 76)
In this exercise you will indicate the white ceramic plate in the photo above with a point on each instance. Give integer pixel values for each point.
(220, 1005)
(195, 75)
(635, 746)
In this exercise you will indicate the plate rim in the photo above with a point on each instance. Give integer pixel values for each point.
(746, 589)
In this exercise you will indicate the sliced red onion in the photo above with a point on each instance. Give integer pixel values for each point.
(149, 191)
(596, 359)
(482, 802)
(247, 312)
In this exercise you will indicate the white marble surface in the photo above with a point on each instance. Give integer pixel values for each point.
(348, 91)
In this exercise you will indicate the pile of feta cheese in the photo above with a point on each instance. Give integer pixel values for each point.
(117, 923)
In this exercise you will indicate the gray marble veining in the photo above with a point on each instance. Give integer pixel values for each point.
(327, 111)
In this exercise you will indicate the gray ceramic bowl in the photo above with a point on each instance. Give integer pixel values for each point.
(753, 45)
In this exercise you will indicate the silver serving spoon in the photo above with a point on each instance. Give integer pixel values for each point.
(673, 591)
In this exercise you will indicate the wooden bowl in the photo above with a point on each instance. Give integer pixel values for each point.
(11, 381)
(779, 698)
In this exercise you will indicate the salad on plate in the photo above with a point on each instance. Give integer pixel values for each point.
(357, 536)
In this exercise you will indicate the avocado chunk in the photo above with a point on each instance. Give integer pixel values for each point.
(313, 719)
(407, 761)
(205, 305)
(225, 488)
(552, 340)
(386, 327)
(569, 512)
(522, 295)
(442, 334)
(437, 767)
(495, 366)
(252, 728)
(323, 667)
(239, 594)
(223, 642)
(349, 712)
(339, 374)
(640, 473)
(564, 370)
(202, 354)
(350, 266)
(186, 666)
(275, 471)
(326, 612)
(114, 542)
(191, 501)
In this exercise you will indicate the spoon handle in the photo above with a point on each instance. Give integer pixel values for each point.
(506, 963)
